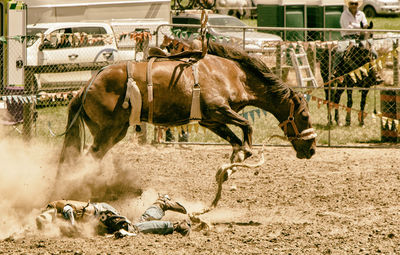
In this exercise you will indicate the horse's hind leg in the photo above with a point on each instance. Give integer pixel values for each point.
(106, 138)
(349, 105)
(336, 100)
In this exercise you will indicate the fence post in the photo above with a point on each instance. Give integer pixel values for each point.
(311, 56)
(329, 91)
(395, 64)
(278, 68)
(29, 107)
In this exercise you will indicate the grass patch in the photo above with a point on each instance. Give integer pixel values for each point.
(386, 22)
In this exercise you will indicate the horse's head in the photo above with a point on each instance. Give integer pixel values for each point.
(355, 56)
(167, 41)
(174, 46)
(297, 127)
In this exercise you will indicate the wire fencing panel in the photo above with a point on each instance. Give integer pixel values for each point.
(52, 79)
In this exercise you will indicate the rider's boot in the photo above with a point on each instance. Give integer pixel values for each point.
(165, 203)
(182, 227)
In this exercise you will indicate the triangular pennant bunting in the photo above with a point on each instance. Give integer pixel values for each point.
(252, 115)
(353, 76)
(265, 112)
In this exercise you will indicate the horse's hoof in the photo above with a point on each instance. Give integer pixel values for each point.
(247, 154)
(348, 124)
(237, 157)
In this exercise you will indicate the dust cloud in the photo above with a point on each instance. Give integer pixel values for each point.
(26, 175)
(28, 182)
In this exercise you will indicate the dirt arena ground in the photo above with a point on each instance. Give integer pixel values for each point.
(342, 201)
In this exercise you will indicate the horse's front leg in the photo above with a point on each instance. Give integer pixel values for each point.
(364, 94)
(328, 97)
(229, 116)
(226, 133)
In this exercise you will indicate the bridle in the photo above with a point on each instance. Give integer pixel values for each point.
(306, 134)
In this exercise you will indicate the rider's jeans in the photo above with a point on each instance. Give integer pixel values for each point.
(151, 222)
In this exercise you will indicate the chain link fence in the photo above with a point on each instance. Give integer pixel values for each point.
(370, 68)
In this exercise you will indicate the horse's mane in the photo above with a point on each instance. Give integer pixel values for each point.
(254, 64)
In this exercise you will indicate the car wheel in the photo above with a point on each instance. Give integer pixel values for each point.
(369, 11)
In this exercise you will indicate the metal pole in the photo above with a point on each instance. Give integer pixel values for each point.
(278, 65)
(244, 38)
(29, 108)
(329, 91)
(395, 64)
(305, 23)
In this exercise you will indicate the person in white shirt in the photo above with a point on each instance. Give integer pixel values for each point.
(351, 18)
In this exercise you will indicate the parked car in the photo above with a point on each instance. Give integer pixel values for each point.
(373, 7)
(81, 42)
(255, 41)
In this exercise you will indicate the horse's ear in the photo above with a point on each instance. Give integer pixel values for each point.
(361, 24)
(292, 94)
(296, 97)
(371, 25)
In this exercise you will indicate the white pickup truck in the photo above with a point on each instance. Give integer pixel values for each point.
(373, 7)
(82, 42)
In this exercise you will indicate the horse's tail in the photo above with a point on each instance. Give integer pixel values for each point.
(73, 141)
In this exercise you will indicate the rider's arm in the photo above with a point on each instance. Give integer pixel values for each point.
(68, 213)
(344, 21)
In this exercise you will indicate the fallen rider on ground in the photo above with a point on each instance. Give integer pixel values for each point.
(109, 221)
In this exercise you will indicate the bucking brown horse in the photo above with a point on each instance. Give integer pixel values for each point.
(229, 80)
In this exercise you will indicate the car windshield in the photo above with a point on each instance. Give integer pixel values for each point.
(31, 34)
(226, 21)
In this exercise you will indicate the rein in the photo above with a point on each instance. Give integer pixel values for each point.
(306, 134)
